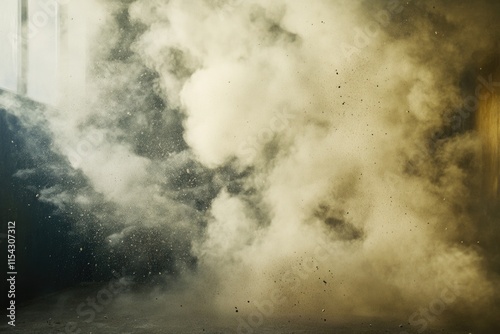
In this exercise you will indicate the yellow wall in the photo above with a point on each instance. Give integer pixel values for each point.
(488, 126)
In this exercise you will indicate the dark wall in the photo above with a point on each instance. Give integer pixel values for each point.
(47, 257)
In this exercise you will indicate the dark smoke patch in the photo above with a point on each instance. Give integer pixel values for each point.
(338, 222)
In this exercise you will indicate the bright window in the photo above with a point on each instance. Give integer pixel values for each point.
(10, 16)
(29, 48)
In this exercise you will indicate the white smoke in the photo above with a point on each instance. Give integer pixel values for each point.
(360, 104)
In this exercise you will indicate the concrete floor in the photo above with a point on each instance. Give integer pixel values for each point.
(57, 313)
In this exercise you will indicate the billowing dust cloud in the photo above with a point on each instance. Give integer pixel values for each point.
(321, 155)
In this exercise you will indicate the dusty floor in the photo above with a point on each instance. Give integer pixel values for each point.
(57, 313)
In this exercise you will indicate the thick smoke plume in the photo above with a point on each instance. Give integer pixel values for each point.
(323, 152)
